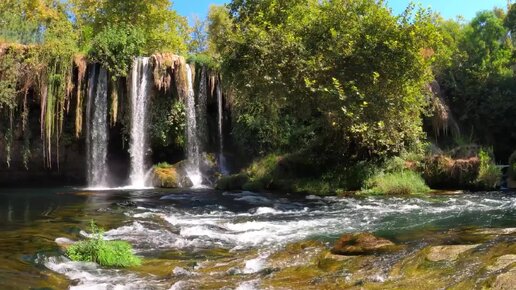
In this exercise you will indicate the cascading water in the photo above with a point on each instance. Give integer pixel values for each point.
(193, 151)
(140, 91)
(222, 159)
(97, 128)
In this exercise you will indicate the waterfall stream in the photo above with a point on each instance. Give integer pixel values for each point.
(222, 159)
(193, 151)
(140, 91)
(97, 128)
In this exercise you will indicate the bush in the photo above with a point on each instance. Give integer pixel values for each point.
(441, 171)
(512, 166)
(489, 175)
(398, 183)
(105, 253)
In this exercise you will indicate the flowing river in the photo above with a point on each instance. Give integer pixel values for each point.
(205, 239)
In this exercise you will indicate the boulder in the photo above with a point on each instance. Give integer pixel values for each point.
(447, 253)
(505, 281)
(362, 244)
(502, 262)
(64, 243)
(232, 182)
(166, 177)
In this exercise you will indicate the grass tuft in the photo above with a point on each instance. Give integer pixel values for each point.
(397, 183)
(116, 254)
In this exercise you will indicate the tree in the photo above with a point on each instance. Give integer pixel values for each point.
(341, 76)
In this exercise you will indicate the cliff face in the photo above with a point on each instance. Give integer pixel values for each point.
(44, 120)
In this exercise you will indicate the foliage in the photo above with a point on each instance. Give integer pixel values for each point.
(115, 47)
(512, 165)
(105, 253)
(399, 183)
(478, 80)
(441, 171)
(168, 122)
(323, 73)
(489, 175)
(163, 165)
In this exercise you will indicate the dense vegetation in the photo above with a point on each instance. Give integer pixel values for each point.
(327, 93)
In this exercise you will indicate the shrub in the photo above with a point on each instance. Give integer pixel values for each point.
(398, 183)
(105, 253)
(512, 166)
(441, 171)
(489, 175)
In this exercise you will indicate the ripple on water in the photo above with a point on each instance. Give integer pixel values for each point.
(274, 222)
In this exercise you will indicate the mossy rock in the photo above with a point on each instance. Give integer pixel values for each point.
(254, 186)
(232, 182)
(362, 244)
(448, 252)
(166, 177)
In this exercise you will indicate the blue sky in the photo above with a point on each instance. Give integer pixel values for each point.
(447, 8)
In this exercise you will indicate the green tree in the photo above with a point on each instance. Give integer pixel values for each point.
(344, 77)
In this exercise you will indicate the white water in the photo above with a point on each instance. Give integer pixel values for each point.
(272, 222)
(235, 221)
(140, 95)
(97, 128)
(222, 159)
(192, 134)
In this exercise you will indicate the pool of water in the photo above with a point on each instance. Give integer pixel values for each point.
(184, 236)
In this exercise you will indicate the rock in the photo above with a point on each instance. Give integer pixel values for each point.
(448, 253)
(502, 262)
(505, 281)
(186, 182)
(362, 244)
(64, 242)
(166, 177)
(232, 182)
(179, 271)
(493, 231)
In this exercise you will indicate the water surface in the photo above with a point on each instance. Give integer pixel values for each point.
(180, 232)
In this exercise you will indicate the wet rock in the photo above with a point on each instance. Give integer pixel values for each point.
(232, 182)
(505, 281)
(64, 242)
(166, 177)
(179, 271)
(186, 182)
(362, 244)
(503, 231)
(502, 262)
(447, 253)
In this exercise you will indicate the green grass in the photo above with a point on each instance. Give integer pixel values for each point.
(163, 165)
(397, 183)
(116, 254)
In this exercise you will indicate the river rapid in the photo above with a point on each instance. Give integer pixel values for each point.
(195, 239)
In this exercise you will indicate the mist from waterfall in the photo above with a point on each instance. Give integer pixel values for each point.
(97, 128)
(140, 94)
(192, 134)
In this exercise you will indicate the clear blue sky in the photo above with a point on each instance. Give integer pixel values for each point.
(447, 8)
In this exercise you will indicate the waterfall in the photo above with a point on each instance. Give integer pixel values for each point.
(140, 92)
(97, 127)
(193, 151)
(222, 159)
